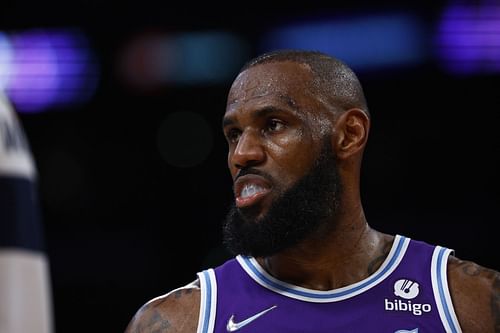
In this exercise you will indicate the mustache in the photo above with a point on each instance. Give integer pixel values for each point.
(253, 171)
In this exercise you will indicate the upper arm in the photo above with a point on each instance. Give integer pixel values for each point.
(175, 312)
(475, 292)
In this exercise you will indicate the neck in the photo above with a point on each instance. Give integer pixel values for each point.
(342, 256)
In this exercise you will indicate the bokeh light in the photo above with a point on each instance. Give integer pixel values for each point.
(208, 57)
(364, 41)
(468, 38)
(47, 69)
(6, 54)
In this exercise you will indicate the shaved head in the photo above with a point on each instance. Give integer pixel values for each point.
(332, 78)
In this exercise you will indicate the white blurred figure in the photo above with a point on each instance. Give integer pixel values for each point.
(25, 287)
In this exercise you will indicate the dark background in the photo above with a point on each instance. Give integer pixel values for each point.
(123, 226)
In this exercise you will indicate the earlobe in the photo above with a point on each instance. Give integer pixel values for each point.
(352, 132)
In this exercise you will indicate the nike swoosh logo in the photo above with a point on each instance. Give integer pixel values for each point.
(233, 326)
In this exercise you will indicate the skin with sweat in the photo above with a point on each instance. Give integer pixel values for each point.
(286, 153)
(275, 122)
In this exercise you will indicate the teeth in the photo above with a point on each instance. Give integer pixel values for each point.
(250, 189)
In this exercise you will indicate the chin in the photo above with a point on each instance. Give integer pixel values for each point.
(253, 214)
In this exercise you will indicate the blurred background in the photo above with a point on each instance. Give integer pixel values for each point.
(122, 106)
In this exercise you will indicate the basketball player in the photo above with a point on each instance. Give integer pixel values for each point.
(306, 259)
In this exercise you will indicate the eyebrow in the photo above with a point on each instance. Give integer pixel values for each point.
(226, 121)
(287, 99)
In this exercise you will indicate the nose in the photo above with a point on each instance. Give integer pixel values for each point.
(248, 152)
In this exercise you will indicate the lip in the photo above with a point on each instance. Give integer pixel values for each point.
(242, 181)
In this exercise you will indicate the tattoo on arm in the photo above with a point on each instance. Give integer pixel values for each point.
(474, 270)
(185, 291)
(471, 269)
(495, 303)
(155, 324)
(151, 319)
(178, 294)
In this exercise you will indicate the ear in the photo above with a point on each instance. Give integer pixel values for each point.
(352, 129)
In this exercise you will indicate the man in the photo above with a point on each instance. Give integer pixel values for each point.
(307, 261)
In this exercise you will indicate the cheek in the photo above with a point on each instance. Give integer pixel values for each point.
(293, 156)
(233, 170)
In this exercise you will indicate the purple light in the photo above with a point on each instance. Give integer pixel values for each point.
(5, 60)
(468, 39)
(33, 80)
(50, 69)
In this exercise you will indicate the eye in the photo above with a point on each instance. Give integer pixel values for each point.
(233, 135)
(275, 125)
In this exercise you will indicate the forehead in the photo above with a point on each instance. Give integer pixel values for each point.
(283, 80)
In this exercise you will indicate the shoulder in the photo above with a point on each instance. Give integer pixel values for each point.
(175, 312)
(475, 293)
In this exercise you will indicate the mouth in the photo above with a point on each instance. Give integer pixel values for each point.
(250, 189)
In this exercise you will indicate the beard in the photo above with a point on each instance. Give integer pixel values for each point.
(308, 207)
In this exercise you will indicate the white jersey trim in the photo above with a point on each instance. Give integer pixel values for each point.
(14, 162)
(208, 301)
(440, 289)
(257, 273)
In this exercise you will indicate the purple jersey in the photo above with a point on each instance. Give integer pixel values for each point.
(408, 293)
